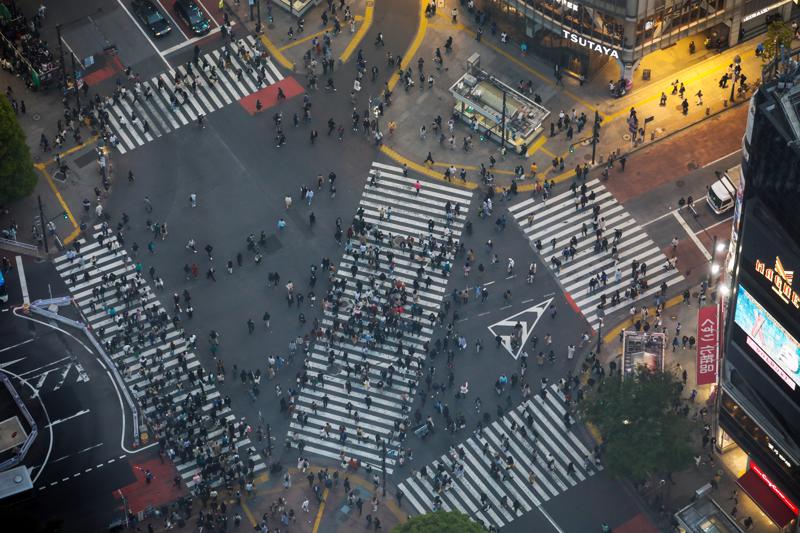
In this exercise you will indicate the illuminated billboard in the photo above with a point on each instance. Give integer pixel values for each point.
(768, 340)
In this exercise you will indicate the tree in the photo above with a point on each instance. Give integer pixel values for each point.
(779, 34)
(643, 432)
(17, 175)
(439, 522)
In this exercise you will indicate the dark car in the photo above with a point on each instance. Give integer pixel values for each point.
(191, 13)
(151, 17)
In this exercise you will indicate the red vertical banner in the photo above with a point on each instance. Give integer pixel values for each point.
(707, 345)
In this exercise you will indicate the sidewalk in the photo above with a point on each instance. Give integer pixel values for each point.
(279, 506)
(722, 470)
(506, 60)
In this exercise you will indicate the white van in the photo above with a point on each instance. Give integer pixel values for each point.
(722, 193)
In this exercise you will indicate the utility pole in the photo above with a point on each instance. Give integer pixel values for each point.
(503, 124)
(595, 134)
(258, 16)
(61, 56)
(599, 337)
(42, 224)
(269, 440)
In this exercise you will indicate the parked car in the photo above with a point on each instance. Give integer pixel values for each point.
(151, 17)
(194, 17)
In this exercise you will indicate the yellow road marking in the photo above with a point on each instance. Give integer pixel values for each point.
(275, 53)
(360, 33)
(672, 302)
(60, 198)
(473, 167)
(310, 37)
(249, 514)
(538, 143)
(72, 236)
(318, 519)
(520, 63)
(422, 169)
(548, 152)
(261, 478)
(422, 27)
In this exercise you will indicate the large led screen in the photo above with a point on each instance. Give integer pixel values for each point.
(768, 339)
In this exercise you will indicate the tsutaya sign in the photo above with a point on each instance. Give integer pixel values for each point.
(590, 44)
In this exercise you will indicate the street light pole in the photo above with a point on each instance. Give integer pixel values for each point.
(503, 124)
(595, 134)
(61, 56)
(77, 91)
(258, 16)
(42, 224)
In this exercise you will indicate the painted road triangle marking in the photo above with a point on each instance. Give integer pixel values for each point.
(527, 319)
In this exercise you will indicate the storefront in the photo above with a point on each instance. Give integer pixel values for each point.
(758, 411)
(583, 36)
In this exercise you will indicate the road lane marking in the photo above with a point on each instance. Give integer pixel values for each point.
(362, 31)
(61, 420)
(692, 235)
(714, 225)
(144, 33)
(721, 158)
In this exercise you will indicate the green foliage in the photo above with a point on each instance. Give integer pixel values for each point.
(439, 522)
(17, 175)
(643, 434)
(778, 33)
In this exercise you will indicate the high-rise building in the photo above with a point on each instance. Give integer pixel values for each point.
(758, 396)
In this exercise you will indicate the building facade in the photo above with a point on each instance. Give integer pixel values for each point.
(758, 400)
(582, 35)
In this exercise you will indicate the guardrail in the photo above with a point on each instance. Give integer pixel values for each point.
(11, 245)
(39, 306)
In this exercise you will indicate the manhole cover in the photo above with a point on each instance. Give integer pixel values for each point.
(680, 183)
(626, 137)
(272, 244)
(587, 157)
(692, 165)
(36, 116)
(60, 176)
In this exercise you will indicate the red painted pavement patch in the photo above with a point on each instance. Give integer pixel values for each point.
(269, 95)
(160, 491)
(112, 67)
(572, 303)
(638, 524)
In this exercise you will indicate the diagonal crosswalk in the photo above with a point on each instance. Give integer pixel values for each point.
(561, 222)
(152, 353)
(222, 77)
(511, 466)
(392, 277)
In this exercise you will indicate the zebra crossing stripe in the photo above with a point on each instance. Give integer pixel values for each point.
(114, 259)
(410, 217)
(561, 218)
(465, 491)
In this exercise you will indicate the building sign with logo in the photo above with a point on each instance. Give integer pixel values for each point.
(781, 280)
(707, 345)
(774, 488)
(594, 46)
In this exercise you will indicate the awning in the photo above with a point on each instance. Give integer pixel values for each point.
(765, 498)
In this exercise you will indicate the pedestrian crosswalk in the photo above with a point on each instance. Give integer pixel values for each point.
(177, 399)
(391, 278)
(561, 222)
(161, 105)
(515, 464)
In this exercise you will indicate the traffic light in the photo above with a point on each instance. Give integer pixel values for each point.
(572, 148)
(64, 214)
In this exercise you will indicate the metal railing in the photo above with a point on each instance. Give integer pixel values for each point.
(12, 245)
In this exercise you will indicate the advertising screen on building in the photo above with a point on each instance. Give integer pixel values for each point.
(768, 340)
